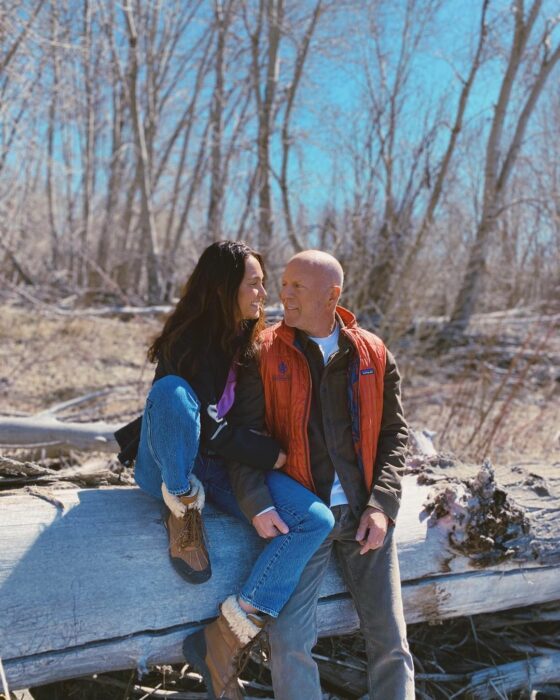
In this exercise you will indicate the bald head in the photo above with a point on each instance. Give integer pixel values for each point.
(322, 264)
(311, 287)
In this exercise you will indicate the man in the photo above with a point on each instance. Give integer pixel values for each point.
(332, 399)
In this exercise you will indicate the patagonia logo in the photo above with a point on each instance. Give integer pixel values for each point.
(283, 373)
(367, 370)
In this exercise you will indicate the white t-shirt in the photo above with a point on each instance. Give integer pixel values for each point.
(328, 346)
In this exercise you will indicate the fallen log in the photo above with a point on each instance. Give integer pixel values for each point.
(86, 586)
(500, 681)
(46, 431)
(95, 471)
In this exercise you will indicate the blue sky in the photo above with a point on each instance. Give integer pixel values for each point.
(333, 91)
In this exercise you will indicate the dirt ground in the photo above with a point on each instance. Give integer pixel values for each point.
(47, 358)
(497, 397)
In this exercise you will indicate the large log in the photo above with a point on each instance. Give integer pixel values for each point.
(86, 586)
(46, 431)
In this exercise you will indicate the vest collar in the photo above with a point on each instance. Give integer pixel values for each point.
(345, 318)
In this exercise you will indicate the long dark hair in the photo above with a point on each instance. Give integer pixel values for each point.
(206, 313)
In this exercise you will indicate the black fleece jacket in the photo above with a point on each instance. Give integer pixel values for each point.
(217, 435)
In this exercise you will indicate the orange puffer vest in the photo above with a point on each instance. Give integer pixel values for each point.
(287, 388)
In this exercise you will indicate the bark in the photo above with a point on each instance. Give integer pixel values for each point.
(51, 194)
(222, 14)
(303, 50)
(147, 219)
(89, 128)
(115, 175)
(272, 13)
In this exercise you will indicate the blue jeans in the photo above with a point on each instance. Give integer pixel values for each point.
(373, 580)
(169, 452)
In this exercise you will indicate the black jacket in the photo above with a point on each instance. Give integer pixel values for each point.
(217, 435)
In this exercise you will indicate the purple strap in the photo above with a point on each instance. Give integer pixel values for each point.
(228, 397)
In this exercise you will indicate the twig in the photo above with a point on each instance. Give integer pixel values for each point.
(5, 687)
(56, 408)
(339, 663)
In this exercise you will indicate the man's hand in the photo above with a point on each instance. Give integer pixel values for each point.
(281, 461)
(372, 529)
(270, 524)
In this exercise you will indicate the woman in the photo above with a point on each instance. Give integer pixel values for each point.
(210, 336)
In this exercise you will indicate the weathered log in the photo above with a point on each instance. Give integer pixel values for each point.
(500, 681)
(86, 586)
(47, 431)
(95, 471)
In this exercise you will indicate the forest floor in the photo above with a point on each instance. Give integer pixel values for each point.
(495, 397)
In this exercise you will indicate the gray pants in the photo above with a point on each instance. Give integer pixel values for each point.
(374, 582)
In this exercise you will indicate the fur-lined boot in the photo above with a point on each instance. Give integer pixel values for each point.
(219, 650)
(183, 521)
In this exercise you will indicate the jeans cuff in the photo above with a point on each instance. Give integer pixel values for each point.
(260, 608)
(180, 491)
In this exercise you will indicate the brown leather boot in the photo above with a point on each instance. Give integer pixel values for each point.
(218, 650)
(183, 521)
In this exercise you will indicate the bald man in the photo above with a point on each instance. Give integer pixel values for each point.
(332, 399)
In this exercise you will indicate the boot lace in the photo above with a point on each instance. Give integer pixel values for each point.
(192, 533)
(259, 646)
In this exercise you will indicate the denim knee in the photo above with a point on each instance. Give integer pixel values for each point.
(175, 391)
(322, 518)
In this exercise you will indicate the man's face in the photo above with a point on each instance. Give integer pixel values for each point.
(306, 297)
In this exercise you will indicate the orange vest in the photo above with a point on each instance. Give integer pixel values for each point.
(287, 388)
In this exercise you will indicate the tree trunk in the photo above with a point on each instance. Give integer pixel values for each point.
(221, 18)
(501, 158)
(147, 220)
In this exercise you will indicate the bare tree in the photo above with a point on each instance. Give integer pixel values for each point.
(11, 48)
(502, 152)
(299, 63)
(222, 14)
(270, 16)
(148, 224)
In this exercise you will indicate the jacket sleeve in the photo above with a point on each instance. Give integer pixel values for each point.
(249, 484)
(393, 438)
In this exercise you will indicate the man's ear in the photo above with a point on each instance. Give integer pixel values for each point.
(334, 294)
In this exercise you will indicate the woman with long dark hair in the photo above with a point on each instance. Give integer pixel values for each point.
(185, 438)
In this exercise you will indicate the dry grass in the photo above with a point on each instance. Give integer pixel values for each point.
(47, 358)
(497, 398)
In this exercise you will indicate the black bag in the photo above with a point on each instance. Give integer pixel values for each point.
(128, 438)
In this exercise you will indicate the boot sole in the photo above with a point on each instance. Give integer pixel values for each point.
(194, 651)
(189, 574)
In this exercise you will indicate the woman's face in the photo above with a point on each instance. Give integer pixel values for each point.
(251, 293)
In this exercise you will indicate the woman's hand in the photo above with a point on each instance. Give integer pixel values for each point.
(281, 461)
